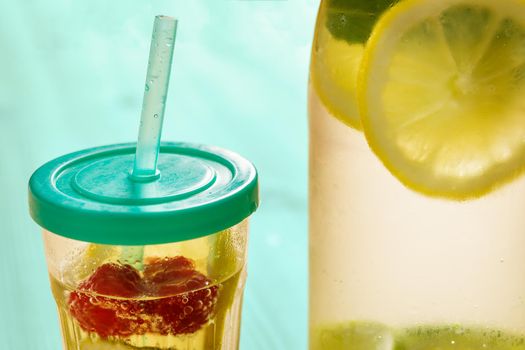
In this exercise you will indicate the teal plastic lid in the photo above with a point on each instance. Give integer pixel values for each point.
(89, 195)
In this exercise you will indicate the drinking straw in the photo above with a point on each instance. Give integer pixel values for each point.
(152, 116)
(154, 102)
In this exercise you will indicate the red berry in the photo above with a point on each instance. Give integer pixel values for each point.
(107, 316)
(171, 276)
(184, 313)
(188, 299)
(184, 301)
(95, 309)
(114, 280)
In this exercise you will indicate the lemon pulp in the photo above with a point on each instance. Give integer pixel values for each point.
(441, 92)
(335, 66)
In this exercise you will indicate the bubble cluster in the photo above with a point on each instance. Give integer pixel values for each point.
(170, 298)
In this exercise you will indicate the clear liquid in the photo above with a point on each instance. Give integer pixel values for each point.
(379, 251)
(220, 333)
(386, 254)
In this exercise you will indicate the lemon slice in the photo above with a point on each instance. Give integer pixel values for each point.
(87, 260)
(335, 66)
(442, 94)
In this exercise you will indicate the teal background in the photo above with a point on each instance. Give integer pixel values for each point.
(72, 76)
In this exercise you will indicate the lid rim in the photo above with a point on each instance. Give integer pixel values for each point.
(83, 219)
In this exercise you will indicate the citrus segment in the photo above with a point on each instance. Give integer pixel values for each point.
(335, 66)
(456, 338)
(367, 336)
(441, 94)
(353, 20)
(353, 335)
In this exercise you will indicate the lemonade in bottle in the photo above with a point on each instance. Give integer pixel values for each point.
(417, 155)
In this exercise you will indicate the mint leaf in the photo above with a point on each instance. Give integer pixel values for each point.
(353, 20)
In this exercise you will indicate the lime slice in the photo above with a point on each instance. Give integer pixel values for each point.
(353, 20)
(335, 64)
(441, 94)
(352, 335)
(456, 338)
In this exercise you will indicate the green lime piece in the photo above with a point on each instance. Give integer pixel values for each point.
(352, 336)
(353, 20)
(456, 338)
(375, 336)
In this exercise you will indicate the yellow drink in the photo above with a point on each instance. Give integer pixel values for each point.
(212, 335)
(417, 134)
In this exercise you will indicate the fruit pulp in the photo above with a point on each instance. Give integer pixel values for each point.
(384, 251)
(369, 336)
(219, 332)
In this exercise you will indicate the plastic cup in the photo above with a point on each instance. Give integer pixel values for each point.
(158, 264)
